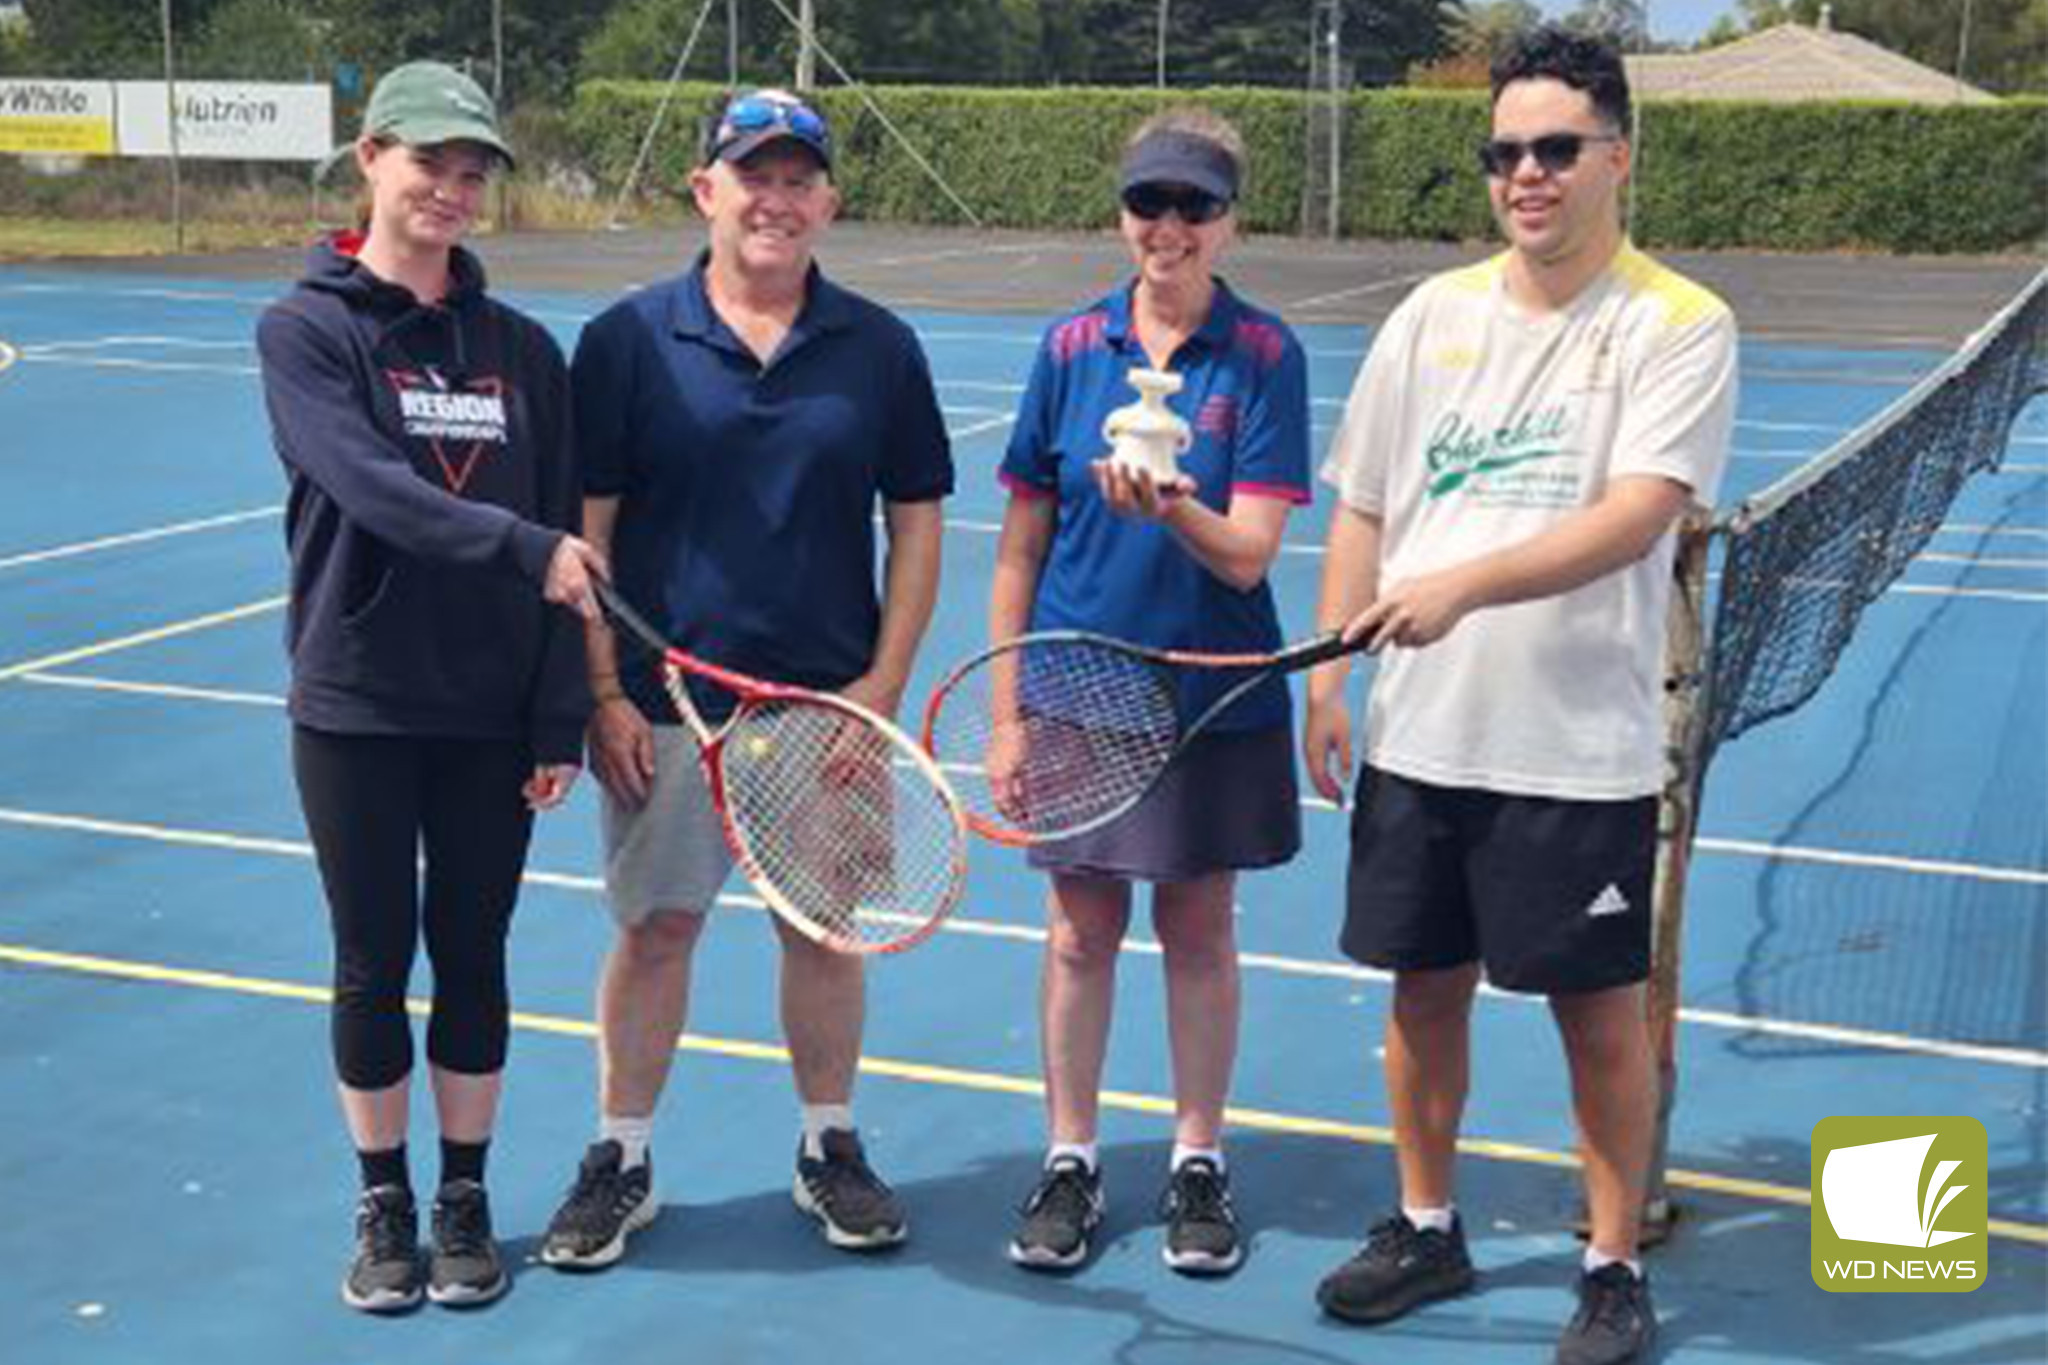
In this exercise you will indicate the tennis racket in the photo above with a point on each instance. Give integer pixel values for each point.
(846, 827)
(1059, 732)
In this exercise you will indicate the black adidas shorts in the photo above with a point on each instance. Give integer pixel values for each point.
(1553, 896)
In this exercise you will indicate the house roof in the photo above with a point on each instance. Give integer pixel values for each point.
(1793, 62)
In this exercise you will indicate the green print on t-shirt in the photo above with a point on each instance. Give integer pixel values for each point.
(1459, 449)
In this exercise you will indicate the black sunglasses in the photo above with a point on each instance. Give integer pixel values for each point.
(1153, 202)
(1554, 152)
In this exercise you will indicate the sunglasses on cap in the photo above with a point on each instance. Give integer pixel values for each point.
(1152, 202)
(752, 114)
(1555, 153)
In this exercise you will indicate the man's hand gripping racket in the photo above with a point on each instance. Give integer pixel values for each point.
(1056, 733)
(846, 827)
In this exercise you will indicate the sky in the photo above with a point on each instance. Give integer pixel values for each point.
(1671, 21)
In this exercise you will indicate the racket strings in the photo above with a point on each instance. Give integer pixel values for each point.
(1056, 736)
(836, 816)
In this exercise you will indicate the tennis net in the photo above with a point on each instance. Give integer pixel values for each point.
(1803, 558)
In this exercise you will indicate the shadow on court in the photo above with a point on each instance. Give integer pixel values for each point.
(1722, 1282)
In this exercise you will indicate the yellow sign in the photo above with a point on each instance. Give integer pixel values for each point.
(70, 118)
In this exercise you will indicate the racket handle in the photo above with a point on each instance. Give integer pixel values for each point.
(1320, 650)
(622, 612)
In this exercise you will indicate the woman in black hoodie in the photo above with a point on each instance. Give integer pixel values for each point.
(437, 698)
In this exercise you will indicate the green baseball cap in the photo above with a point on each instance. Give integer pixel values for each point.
(426, 103)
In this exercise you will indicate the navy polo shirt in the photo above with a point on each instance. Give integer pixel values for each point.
(1244, 391)
(748, 492)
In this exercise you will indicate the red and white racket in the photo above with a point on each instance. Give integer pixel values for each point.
(845, 826)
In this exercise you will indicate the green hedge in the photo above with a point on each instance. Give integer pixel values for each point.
(1894, 177)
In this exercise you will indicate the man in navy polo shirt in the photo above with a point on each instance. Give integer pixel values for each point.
(738, 426)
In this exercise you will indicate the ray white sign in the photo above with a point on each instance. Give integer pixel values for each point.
(74, 118)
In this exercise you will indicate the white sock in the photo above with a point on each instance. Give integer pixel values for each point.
(819, 1117)
(631, 1134)
(1431, 1220)
(1212, 1155)
(1595, 1259)
(1083, 1152)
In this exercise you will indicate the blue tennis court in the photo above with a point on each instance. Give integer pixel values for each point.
(1867, 931)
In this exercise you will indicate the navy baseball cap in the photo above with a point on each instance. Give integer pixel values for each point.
(753, 119)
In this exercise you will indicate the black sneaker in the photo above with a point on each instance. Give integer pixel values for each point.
(1615, 1321)
(1059, 1217)
(385, 1276)
(841, 1191)
(1201, 1226)
(1400, 1267)
(604, 1206)
(465, 1270)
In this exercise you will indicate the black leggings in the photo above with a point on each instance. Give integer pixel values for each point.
(375, 805)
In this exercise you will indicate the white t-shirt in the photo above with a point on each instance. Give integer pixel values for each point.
(1475, 425)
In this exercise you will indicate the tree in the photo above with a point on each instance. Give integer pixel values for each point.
(258, 40)
(1621, 22)
(1482, 28)
(542, 37)
(115, 39)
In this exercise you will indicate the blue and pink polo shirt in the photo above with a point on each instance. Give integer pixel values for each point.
(1245, 393)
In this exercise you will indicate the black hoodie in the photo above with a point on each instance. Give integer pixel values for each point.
(432, 476)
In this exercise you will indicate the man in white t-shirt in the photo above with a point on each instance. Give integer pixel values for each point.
(1516, 453)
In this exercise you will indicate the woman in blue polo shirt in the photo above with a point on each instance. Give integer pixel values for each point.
(1179, 564)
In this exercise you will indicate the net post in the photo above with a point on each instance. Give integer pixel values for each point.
(1685, 682)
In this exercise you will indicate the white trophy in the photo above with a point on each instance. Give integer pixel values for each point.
(1147, 435)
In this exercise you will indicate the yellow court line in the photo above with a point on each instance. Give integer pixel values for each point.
(956, 1077)
(145, 637)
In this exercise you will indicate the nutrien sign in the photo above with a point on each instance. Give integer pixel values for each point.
(228, 120)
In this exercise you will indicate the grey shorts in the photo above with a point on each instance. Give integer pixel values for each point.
(1227, 803)
(669, 854)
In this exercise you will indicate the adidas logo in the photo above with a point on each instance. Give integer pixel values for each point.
(1608, 902)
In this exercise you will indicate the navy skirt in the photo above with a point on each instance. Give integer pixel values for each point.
(1227, 803)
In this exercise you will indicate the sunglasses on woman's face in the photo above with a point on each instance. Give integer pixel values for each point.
(1555, 153)
(1190, 205)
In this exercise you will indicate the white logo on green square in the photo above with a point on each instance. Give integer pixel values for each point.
(1899, 1204)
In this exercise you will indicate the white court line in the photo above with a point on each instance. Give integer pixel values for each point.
(86, 547)
(178, 295)
(62, 353)
(105, 362)
(1969, 594)
(8, 355)
(992, 528)
(1939, 557)
(1740, 453)
(1371, 287)
(1881, 862)
(176, 691)
(1314, 551)
(979, 427)
(169, 343)
(959, 253)
(1970, 529)
(144, 637)
(1303, 967)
